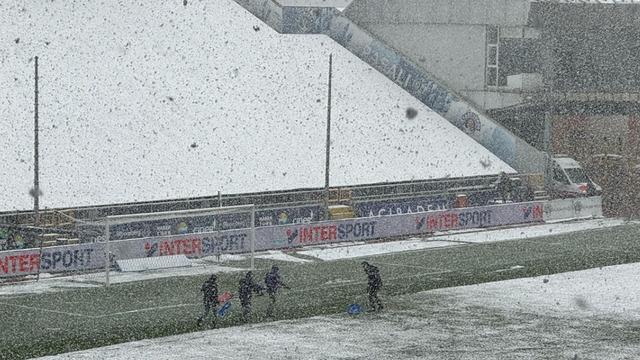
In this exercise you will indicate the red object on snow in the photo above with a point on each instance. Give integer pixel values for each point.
(583, 187)
(226, 296)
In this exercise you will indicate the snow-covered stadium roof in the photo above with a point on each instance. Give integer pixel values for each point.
(587, 1)
(318, 3)
(145, 102)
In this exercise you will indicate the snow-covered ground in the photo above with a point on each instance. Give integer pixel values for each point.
(344, 251)
(546, 229)
(143, 102)
(48, 283)
(590, 314)
(279, 255)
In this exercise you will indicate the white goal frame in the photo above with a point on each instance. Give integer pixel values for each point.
(131, 218)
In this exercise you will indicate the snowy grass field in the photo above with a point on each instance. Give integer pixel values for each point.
(443, 323)
(587, 314)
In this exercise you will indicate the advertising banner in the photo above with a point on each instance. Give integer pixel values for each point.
(577, 208)
(54, 259)
(403, 206)
(480, 217)
(306, 20)
(190, 245)
(195, 245)
(201, 223)
(361, 229)
(419, 204)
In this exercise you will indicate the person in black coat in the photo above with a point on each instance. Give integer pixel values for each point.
(210, 298)
(273, 283)
(247, 288)
(504, 187)
(374, 284)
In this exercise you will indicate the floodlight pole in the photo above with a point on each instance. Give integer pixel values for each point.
(107, 266)
(36, 185)
(36, 181)
(253, 236)
(328, 146)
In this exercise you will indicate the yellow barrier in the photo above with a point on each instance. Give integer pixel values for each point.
(339, 212)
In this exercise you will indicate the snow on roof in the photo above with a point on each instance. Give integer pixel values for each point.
(566, 162)
(587, 1)
(141, 102)
(315, 3)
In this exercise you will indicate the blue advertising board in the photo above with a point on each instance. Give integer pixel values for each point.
(420, 204)
(403, 206)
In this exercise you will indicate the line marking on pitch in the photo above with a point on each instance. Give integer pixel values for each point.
(47, 310)
(408, 266)
(145, 309)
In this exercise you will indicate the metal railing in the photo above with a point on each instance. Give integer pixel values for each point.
(64, 217)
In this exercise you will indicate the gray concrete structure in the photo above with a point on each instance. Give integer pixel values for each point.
(450, 39)
(528, 64)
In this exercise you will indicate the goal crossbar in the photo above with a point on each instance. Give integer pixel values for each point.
(165, 215)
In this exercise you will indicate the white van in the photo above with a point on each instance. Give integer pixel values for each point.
(568, 179)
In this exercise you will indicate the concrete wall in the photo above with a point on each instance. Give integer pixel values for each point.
(447, 38)
(454, 53)
(496, 12)
(489, 100)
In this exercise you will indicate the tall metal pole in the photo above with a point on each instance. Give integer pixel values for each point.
(328, 149)
(107, 251)
(36, 186)
(36, 182)
(253, 237)
(547, 149)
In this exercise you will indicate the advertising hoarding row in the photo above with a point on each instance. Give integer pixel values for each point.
(202, 223)
(194, 245)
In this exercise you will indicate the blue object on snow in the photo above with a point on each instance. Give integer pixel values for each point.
(354, 309)
(224, 309)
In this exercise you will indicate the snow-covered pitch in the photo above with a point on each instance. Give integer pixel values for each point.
(590, 314)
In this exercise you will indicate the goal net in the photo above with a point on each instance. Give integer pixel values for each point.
(164, 238)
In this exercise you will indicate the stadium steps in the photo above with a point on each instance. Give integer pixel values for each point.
(425, 87)
(541, 196)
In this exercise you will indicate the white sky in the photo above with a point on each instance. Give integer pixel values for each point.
(126, 88)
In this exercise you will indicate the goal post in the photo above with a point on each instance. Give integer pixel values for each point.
(174, 224)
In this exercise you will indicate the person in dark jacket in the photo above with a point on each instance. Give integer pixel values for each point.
(374, 284)
(210, 298)
(504, 187)
(247, 288)
(273, 283)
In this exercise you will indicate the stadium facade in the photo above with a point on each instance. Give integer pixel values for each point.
(559, 74)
